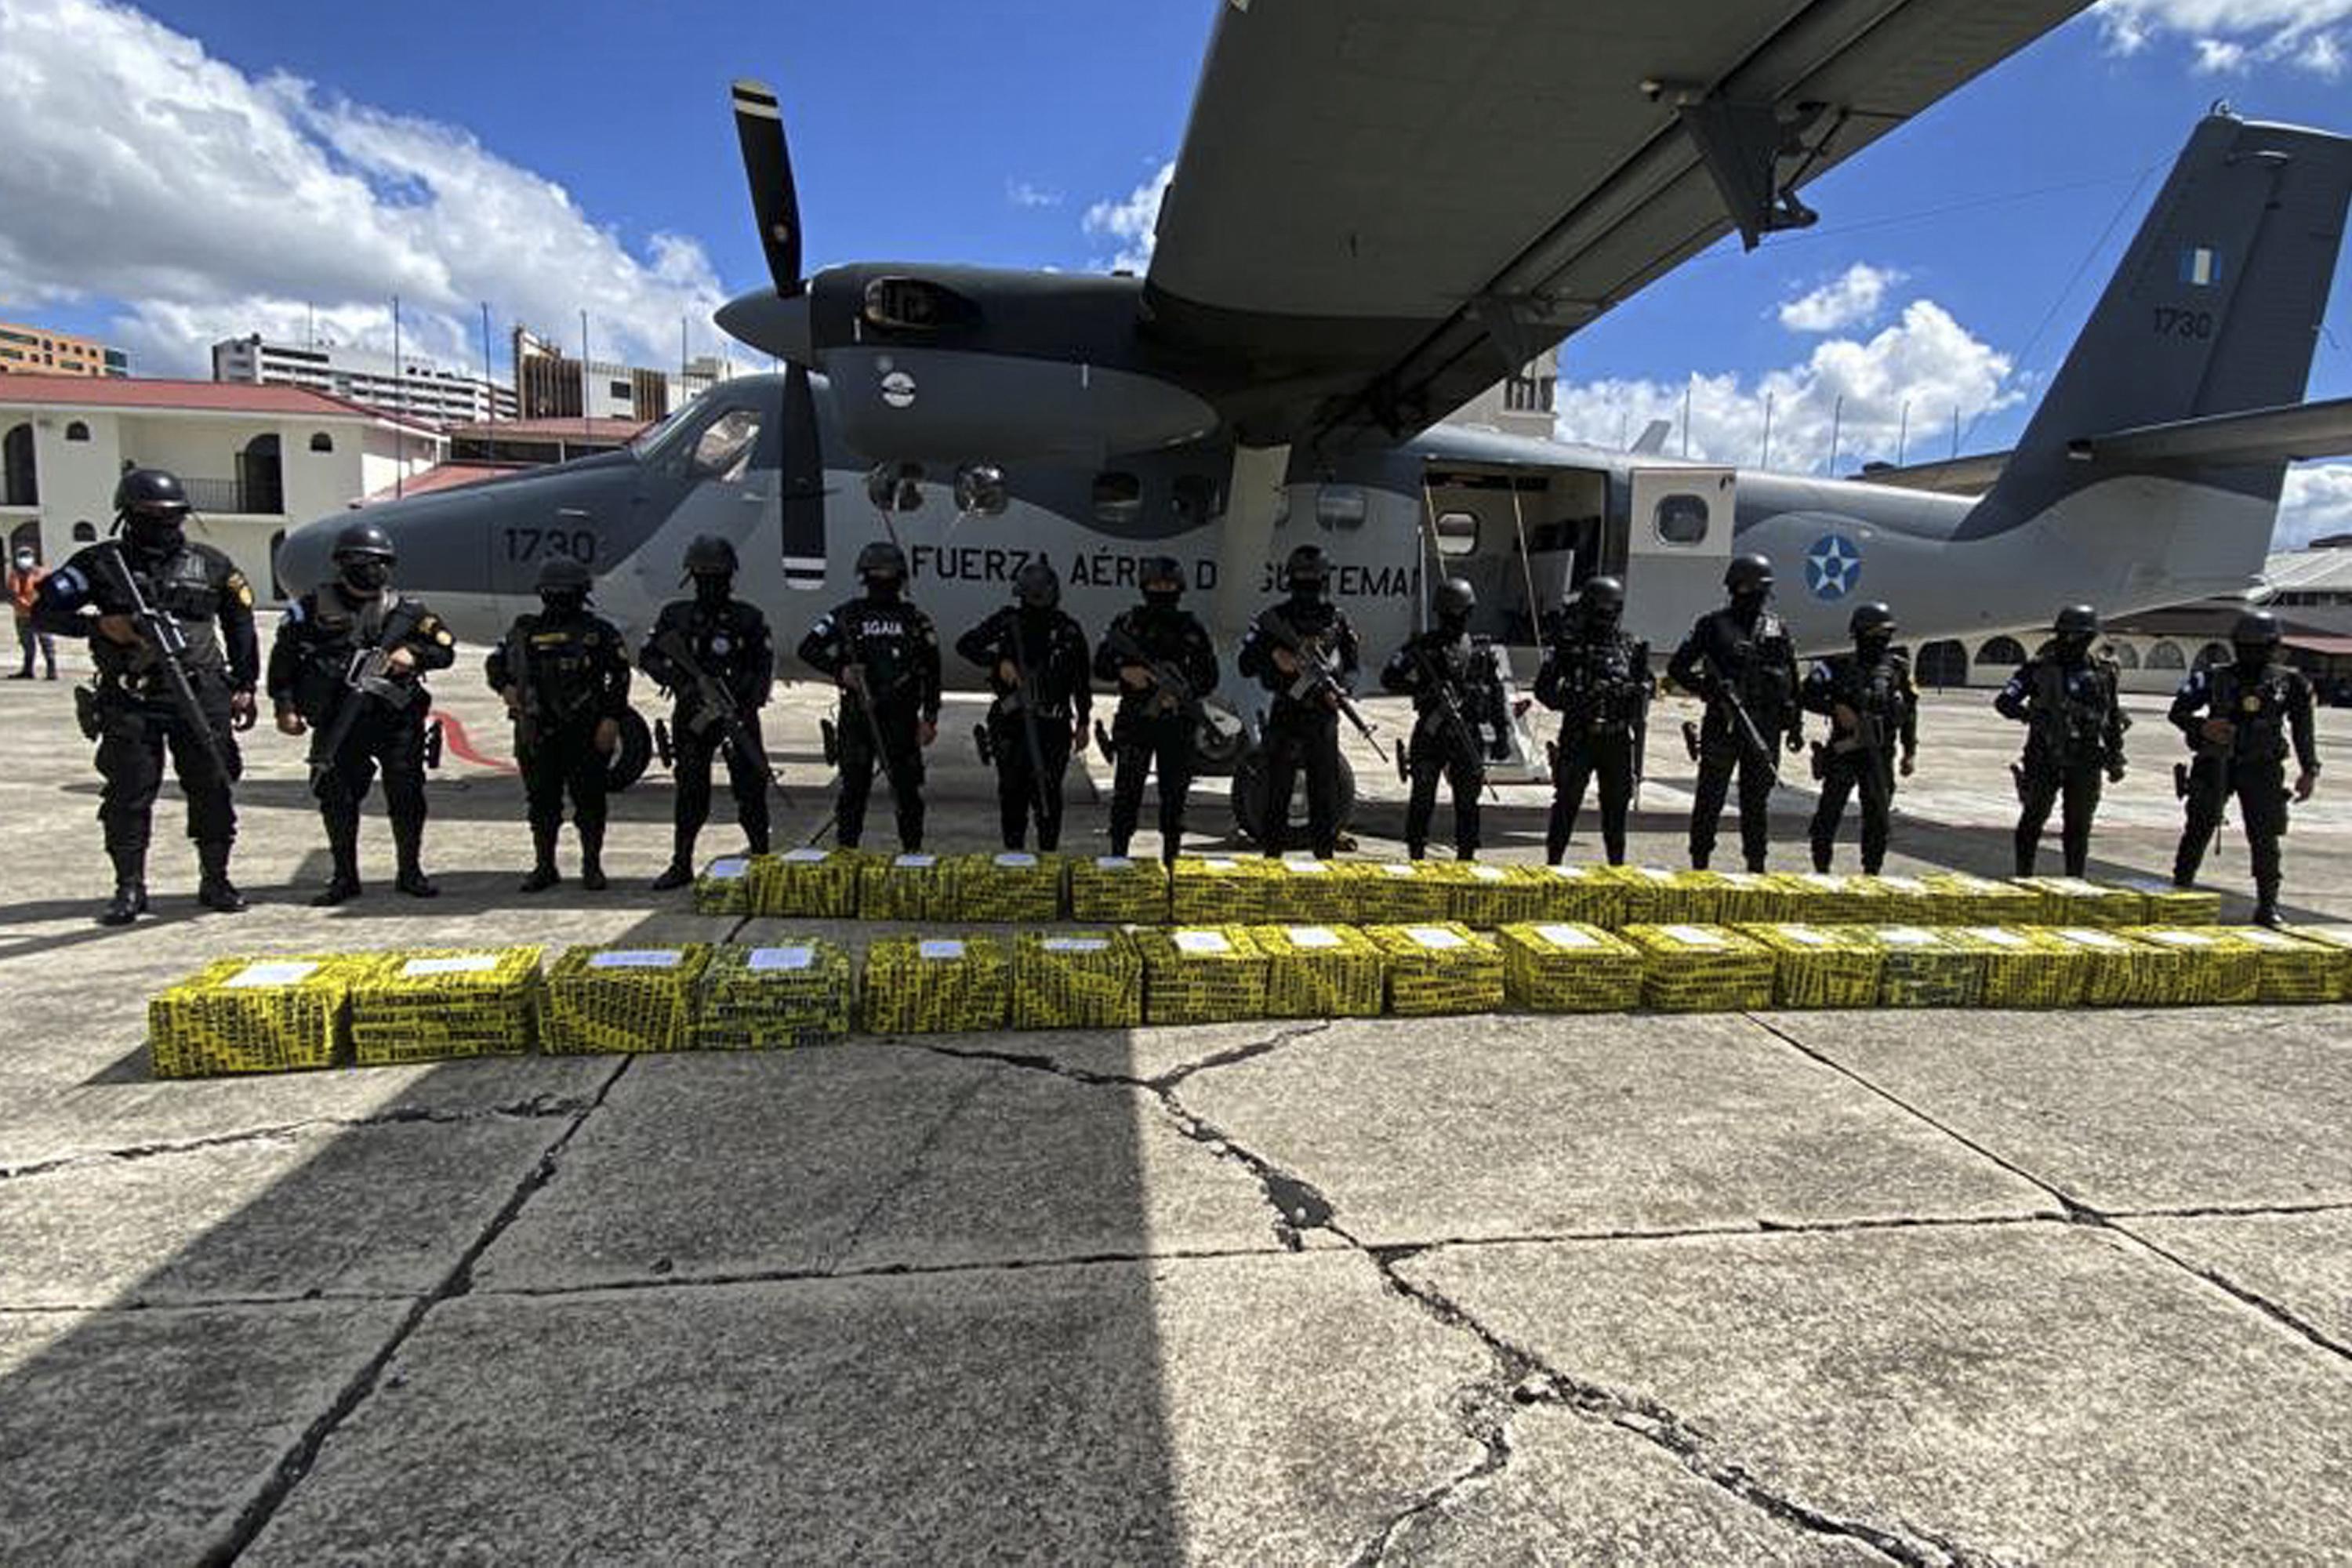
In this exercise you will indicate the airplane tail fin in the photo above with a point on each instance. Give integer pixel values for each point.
(2215, 311)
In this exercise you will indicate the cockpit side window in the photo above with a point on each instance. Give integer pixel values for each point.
(724, 448)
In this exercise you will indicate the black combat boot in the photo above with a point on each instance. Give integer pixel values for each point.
(214, 891)
(129, 901)
(543, 874)
(2266, 910)
(592, 861)
(408, 845)
(680, 869)
(343, 876)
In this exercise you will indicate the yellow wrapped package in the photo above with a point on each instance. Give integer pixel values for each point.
(1747, 898)
(774, 998)
(1654, 896)
(935, 985)
(438, 1004)
(1401, 892)
(622, 999)
(2294, 969)
(2125, 972)
(2219, 970)
(1832, 897)
(1899, 900)
(1119, 889)
(2162, 904)
(1702, 969)
(1821, 966)
(1077, 980)
(251, 1014)
(1567, 967)
(1312, 892)
(1218, 889)
(2024, 966)
(1580, 895)
(1442, 968)
(1319, 971)
(724, 888)
(1485, 898)
(807, 884)
(1201, 974)
(911, 887)
(1012, 887)
(1920, 967)
(1962, 899)
(2076, 901)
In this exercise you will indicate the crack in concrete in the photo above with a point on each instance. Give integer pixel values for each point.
(820, 1275)
(906, 1176)
(296, 1462)
(1485, 1415)
(2259, 1302)
(1239, 1053)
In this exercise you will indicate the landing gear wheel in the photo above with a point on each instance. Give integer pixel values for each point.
(632, 756)
(1250, 812)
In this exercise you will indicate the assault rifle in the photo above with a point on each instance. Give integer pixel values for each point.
(526, 716)
(368, 678)
(1449, 708)
(1744, 722)
(1170, 690)
(164, 637)
(1318, 681)
(715, 705)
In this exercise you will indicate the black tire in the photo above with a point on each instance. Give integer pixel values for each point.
(1249, 806)
(633, 755)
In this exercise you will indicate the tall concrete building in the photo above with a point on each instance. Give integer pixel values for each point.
(36, 351)
(414, 387)
(1518, 404)
(550, 384)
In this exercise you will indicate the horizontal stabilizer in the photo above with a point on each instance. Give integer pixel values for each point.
(2289, 435)
(1653, 439)
(1969, 475)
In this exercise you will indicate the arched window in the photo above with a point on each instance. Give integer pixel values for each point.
(23, 483)
(2006, 653)
(2165, 656)
(1944, 663)
(2214, 653)
(77, 431)
(2125, 656)
(85, 533)
(322, 442)
(260, 478)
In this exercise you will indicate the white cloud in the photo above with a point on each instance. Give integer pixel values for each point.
(1849, 300)
(2318, 501)
(2229, 36)
(211, 203)
(1022, 194)
(1131, 221)
(1925, 359)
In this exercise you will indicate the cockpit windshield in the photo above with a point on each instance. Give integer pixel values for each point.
(650, 440)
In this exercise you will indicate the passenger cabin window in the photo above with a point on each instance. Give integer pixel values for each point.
(1457, 533)
(1680, 518)
(1195, 498)
(1119, 500)
(1341, 506)
(724, 450)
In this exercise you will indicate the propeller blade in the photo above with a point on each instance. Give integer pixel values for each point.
(760, 127)
(804, 509)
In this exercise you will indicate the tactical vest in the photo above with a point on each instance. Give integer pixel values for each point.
(2258, 709)
(181, 586)
(2071, 707)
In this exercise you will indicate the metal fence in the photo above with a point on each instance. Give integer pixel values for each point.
(263, 499)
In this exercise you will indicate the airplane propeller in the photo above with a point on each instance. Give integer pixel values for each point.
(760, 127)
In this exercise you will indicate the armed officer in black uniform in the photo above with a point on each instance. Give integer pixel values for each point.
(1036, 656)
(1458, 717)
(564, 674)
(1740, 661)
(2074, 733)
(2239, 719)
(134, 714)
(1599, 678)
(729, 643)
(347, 668)
(884, 653)
(1163, 664)
(1872, 710)
(1305, 652)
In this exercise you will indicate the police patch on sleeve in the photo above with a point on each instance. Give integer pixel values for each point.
(241, 588)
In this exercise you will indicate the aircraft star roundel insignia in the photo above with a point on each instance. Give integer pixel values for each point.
(1832, 566)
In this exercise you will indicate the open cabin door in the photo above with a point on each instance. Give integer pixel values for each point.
(1522, 537)
(1678, 542)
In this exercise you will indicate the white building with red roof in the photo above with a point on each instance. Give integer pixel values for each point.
(256, 461)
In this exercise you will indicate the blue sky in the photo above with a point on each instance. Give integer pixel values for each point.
(192, 164)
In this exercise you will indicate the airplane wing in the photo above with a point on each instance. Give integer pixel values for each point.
(1381, 208)
(2296, 434)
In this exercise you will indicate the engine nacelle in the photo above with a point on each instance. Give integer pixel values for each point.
(952, 406)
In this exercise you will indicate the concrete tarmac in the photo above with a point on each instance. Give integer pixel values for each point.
(1805, 1287)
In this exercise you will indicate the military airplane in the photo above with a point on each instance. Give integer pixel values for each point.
(1379, 211)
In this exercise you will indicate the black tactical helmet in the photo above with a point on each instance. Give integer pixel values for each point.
(709, 555)
(881, 559)
(1748, 574)
(1454, 600)
(1308, 565)
(1602, 594)
(2255, 628)
(1872, 619)
(151, 493)
(562, 574)
(1037, 587)
(1161, 569)
(364, 542)
(2077, 620)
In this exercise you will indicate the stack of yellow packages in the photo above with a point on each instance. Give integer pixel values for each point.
(1444, 968)
(2025, 966)
(2335, 937)
(1401, 892)
(623, 999)
(1077, 980)
(1319, 971)
(1920, 967)
(250, 1014)
(2125, 972)
(1581, 895)
(1653, 896)
(2166, 905)
(725, 887)
(1487, 898)
(1833, 898)
(1201, 974)
(1221, 890)
(807, 884)
(1117, 889)
(1748, 898)
(2219, 968)
(913, 887)
(2293, 969)
(2074, 902)
(935, 985)
(1821, 966)
(1566, 967)
(1702, 969)
(1960, 899)
(1901, 900)
(1316, 891)
(444, 1002)
(774, 998)
(1009, 887)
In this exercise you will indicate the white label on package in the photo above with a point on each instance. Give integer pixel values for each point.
(1660, 878)
(1693, 936)
(1904, 884)
(941, 947)
(1395, 869)
(806, 857)
(1998, 937)
(636, 958)
(1488, 873)
(916, 862)
(1566, 936)
(1906, 936)
(2081, 938)
(1434, 938)
(781, 958)
(1314, 936)
(1218, 863)
(470, 964)
(1112, 862)
(282, 973)
(1076, 944)
(1806, 936)
(729, 870)
(1306, 867)
(1570, 873)
(1198, 942)
(1741, 880)
(1015, 858)
(2180, 938)
(2261, 938)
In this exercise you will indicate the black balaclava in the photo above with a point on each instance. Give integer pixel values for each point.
(711, 588)
(883, 588)
(365, 576)
(564, 604)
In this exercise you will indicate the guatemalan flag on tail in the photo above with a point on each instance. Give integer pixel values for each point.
(2200, 266)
